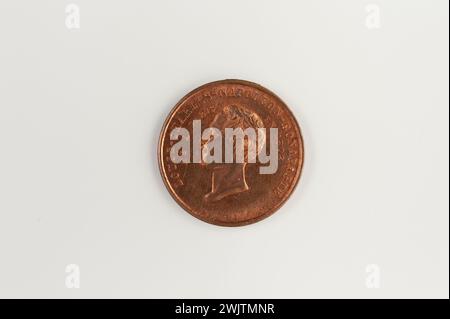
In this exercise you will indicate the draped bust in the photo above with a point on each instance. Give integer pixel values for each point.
(229, 178)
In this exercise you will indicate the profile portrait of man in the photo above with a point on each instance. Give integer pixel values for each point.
(229, 178)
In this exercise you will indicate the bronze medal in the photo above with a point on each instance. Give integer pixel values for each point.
(230, 153)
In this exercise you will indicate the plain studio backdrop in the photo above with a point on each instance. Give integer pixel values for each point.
(82, 202)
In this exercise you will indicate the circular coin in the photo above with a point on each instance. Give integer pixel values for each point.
(230, 152)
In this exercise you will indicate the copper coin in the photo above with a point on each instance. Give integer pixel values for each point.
(199, 155)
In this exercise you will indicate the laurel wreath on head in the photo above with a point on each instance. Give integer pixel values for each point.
(242, 116)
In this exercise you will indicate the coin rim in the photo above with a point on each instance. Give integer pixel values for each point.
(180, 201)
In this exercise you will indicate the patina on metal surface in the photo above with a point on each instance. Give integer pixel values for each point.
(231, 194)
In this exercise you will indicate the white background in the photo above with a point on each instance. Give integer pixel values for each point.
(80, 114)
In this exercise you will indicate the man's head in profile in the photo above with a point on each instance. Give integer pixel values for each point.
(229, 178)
